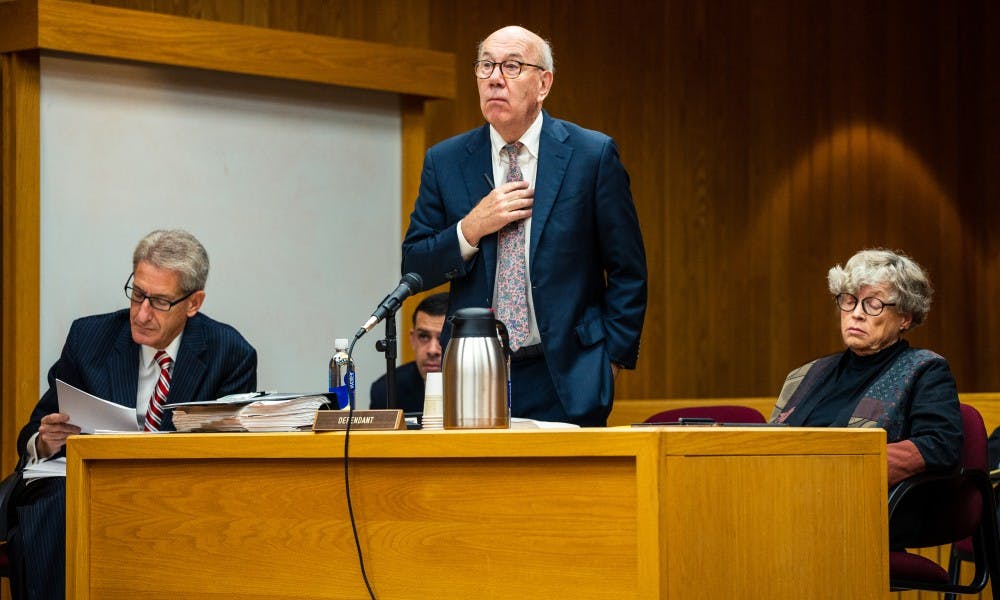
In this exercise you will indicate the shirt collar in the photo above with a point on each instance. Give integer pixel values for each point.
(530, 138)
(148, 352)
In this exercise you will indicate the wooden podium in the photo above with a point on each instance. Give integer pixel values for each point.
(666, 512)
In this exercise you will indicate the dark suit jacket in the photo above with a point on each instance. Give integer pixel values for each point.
(587, 261)
(409, 390)
(101, 358)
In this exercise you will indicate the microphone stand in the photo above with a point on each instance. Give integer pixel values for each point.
(388, 346)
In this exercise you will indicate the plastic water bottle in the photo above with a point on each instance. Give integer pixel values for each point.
(338, 373)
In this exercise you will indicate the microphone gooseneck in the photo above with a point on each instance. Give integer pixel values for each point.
(410, 284)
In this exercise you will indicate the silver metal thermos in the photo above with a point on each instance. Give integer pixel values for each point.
(475, 372)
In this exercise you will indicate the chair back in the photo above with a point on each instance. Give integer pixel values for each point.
(721, 413)
(975, 444)
(933, 509)
(953, 506)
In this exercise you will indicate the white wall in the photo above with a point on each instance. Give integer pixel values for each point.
(293, 188)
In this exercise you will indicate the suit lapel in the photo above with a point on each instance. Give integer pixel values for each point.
(190, 367)
(553, 159)
(477, 164)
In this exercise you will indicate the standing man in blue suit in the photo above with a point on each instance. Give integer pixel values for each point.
(533, 216)
(124, 357)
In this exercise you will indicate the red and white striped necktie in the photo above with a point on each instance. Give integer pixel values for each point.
(154, 414)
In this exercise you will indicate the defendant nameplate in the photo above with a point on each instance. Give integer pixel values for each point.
(336, 420)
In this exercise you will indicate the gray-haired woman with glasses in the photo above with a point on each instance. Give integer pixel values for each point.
(879, 380)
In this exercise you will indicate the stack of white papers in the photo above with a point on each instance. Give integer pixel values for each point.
(249, 412)
(49, 468)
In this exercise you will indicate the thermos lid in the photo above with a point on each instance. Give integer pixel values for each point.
(473, 322)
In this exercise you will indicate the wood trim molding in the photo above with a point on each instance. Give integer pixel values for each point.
(414, 145)
(80, 28)
(19, 176)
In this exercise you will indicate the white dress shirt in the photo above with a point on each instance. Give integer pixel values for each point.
(527, 160)
(149, 374)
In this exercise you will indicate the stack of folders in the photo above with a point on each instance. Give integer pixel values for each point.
(255, 412)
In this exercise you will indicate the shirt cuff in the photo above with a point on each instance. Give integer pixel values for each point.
(467, 249)
(32, 451)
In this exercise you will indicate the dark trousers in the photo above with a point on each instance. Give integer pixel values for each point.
(36, 541)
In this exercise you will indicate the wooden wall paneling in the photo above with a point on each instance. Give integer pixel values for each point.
(918, 139)
(979, 186)
(976, 90)
(17, 25)
(19, 176)
(257, 14)
(414, 144)
(842, 175)
(639, 134)
(681, 266)
(731, 320)
(774, 141)
(769, 301)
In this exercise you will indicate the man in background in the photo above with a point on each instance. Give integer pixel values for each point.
(160, 350)
(533, 217)
(425, 339)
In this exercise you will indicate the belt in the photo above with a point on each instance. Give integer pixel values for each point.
(527, 353)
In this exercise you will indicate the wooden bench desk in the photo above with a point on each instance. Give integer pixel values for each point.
(649, 513)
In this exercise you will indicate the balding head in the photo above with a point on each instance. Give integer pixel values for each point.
(539, 45)
(511, 104)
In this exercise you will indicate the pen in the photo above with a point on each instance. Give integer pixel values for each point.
(489, 181)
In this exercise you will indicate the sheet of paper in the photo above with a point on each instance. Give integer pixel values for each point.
(520, 423)
(49, 468)
(90, 413)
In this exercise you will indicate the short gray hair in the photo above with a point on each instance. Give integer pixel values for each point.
(175, 250)
(544, 46)
(545, 58)
(907, 280)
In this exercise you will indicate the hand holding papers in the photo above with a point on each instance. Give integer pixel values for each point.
(249, 412)
(91, 413)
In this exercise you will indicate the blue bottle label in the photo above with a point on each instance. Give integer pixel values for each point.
(343, 399)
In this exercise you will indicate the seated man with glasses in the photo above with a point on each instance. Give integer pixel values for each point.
(158, 351)
(879, 380)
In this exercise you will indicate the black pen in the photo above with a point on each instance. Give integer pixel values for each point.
(489, 181)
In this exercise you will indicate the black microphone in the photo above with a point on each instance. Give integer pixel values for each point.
(410, 284)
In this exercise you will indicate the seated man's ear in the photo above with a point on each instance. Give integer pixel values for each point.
(194, 302)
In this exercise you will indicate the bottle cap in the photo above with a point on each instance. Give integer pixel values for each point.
(340, 344)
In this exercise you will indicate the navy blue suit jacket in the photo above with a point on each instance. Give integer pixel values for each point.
(409, 390)
(587, 260)
(101, 358)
